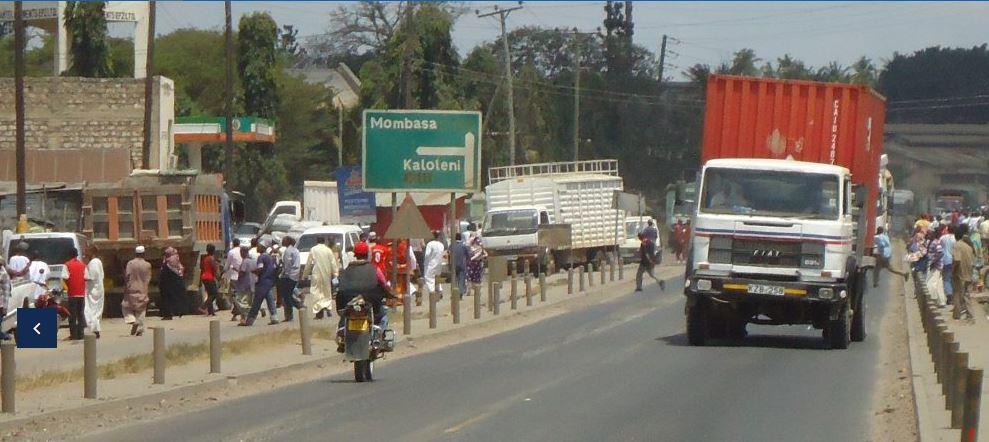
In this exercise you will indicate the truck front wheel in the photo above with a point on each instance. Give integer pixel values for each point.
(838, 332)
(698, 323)
(858, 314)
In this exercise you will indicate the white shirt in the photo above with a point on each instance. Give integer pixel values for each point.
(38, 273)
(234, 260)
(433, 255)
(18, 263)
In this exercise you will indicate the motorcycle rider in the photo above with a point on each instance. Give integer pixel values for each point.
(362, 278)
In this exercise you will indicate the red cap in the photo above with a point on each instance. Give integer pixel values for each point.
(360, 250)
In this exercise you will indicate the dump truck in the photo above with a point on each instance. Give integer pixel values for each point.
(158, 210)
(554, 214)
(786, 211)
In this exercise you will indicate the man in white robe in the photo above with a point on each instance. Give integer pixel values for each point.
(433, 265)
(321, 268)
(93, 309)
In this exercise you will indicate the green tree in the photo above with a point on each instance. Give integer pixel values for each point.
(937, 85)
(37, 60)
(833, 72)
(86, 23)
(790, 68)
(193, 59)
(744, 62)
(863, 72)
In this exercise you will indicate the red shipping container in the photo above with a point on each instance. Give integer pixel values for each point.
(828, 123)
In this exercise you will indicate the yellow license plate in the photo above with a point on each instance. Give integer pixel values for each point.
(358, 324)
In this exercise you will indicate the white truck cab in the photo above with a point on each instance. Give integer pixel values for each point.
(515, 229)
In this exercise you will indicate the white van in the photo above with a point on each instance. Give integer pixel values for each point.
(345, 236)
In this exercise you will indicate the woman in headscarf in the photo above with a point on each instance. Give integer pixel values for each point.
(475, 260)
(935, 281)
(171, 284)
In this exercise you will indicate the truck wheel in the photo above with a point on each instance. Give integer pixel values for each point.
(858, 322)
(359, 371)
(697, 324)
(837, 334)
(736, 329)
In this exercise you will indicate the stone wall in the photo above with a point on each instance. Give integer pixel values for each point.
(79, 114)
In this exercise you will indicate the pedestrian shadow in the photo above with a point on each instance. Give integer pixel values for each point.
(752, 341)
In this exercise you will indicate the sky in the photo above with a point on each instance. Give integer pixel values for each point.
(702, 32)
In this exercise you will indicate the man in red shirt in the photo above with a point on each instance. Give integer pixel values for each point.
(76, 286)
(380, 255)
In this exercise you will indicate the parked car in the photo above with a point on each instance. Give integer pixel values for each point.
(247, 231)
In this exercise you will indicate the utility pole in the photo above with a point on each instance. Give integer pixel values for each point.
(576, 95)
(228, 99)
(19, 109)
(339, 132)
(502, 15)
(149, 91)
(662, 60)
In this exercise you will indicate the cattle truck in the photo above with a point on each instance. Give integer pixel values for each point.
(786, 212)
(553, 214)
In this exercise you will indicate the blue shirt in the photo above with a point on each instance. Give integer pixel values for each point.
(883, 246)
(267, 266)
(947, 249)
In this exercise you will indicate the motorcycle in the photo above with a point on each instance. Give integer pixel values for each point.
(362, 340)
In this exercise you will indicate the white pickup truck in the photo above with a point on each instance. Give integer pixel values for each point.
(553, 214)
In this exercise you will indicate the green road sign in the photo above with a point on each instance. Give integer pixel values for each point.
(422, 150)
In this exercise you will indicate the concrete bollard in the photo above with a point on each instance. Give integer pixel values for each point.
(973, 400)
(949, 373)
(958, 390)
(8, 376)
(528, 289)
(611, 268)
(215, 346)
(513, 295)
(945, 347)
(420, 283)
(305, 332)
(407, 309)
(158, 351)
(580, 277)
(601, 271)
(490, 295)
(526, 268)
(496, 302)
(936, 350)
(477, 301)
(570, 280)
(89, 368)
(590, 274)
(455, 302)
(432, 309)
(542, 287)
(621, 269)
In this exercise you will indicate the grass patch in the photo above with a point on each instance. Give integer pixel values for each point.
(176, 355)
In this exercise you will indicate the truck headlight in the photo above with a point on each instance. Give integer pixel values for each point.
(703, 284)
(825, 293)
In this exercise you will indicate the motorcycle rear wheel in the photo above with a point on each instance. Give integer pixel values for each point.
(364, 371)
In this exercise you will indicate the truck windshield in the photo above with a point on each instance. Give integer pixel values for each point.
(51, 250)
(632, 229)
(770, 193)
(511, 222)
(307, 242)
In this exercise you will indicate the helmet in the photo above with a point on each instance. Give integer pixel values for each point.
(360, 250)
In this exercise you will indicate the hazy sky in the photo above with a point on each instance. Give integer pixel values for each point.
(706, 32)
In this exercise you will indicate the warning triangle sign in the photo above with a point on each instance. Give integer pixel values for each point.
(408, 222)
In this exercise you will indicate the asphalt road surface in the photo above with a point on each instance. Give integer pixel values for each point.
(615, 371)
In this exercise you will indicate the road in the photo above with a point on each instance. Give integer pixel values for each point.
(615, 371)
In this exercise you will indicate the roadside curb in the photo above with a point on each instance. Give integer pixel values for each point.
(221, 381)
(925, 428)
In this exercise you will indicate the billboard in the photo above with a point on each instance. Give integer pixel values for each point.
(357, 206)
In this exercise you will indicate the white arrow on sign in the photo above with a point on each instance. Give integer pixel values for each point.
(467, 152)
(36, 328)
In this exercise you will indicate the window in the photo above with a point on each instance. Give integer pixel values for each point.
(543, 218)
(770, 193)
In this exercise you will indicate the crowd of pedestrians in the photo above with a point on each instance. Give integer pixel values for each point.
(945, 254)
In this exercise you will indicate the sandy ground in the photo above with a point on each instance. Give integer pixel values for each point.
(893, 403)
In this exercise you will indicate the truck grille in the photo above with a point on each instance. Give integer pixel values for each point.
(766, 253)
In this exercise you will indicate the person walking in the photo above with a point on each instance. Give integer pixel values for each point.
(884, 253)
(265, 272)
(680, 241)
(244, 287)
(171, 284)
(947, 242)
(650, 231)
(94, 291)
(321, 269)
(432, 263)
(917, 257)
(458, 256)
(289, 279)
(137, 276)
(475, 262)
(647, 262)
(231, 272)
(5, 289)
(208, 269)
(935, 265)
(75, 282)
(964, 254)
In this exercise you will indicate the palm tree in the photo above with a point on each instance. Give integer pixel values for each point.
(864, 72)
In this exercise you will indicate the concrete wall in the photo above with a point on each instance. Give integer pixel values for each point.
(76, 117)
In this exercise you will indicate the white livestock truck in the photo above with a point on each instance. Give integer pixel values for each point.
(553, 214)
